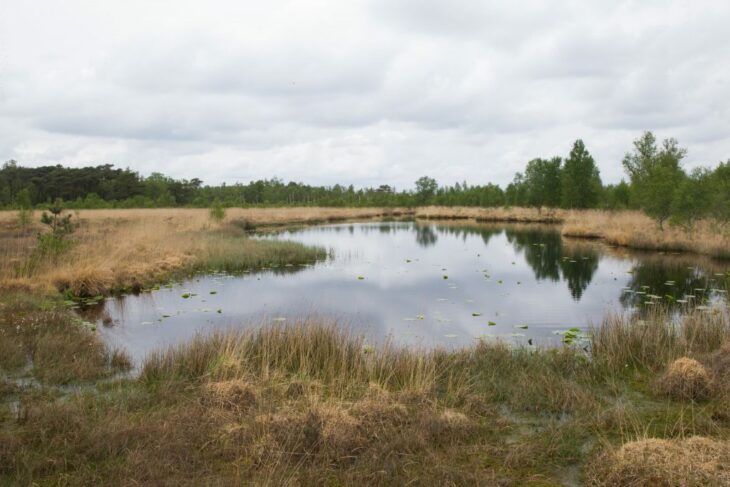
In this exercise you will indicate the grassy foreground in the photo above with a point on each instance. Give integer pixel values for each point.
(311, 404)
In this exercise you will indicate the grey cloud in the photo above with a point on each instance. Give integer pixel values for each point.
(362, 92)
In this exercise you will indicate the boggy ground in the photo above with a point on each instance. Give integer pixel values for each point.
(312, 405)
(639, 403)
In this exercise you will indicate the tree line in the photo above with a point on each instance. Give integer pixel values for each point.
(657, 184)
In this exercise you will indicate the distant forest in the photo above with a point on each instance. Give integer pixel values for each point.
(657, 183)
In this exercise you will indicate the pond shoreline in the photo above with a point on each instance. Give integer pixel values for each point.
(626, 228)
(297, 403)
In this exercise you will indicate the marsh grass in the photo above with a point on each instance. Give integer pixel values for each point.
(323, 353)
(118, 250)
(52, 343)
(654, 339)
(631, 229)
(312, 403)
(636, 230)
(227, 252)
(128, 250)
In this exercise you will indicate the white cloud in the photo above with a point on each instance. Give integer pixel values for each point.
(364, 92)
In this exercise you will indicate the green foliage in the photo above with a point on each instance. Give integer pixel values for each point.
(616, 196)
(691, 199)
(643, 157)
(54, 243)
(581, 183)
(59, 224)
(719, 184)
(50, 245)
(425, 189)
(25, 214)
(655, 174)
(516, 193)
(542, 180)
(657, 185)
(24, 217)
(217, 211)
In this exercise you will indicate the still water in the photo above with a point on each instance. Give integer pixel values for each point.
(426, 285)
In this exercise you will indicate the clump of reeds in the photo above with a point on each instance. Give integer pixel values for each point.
(316, 352)
(656, 337)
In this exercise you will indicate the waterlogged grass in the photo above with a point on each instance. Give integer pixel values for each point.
(235, 253)
(307, 403)
(42, 340)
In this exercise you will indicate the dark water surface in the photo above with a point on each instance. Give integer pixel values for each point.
(426, 285)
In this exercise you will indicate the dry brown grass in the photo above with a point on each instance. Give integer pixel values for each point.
(311, 404)
(686, 379)
(623, 228)
(694, 461)
(119, 249)
(123, 249)
(636, 230)
(516, 215)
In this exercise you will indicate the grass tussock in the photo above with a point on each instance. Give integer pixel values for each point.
(686, 379)
(326, 354)
(694, 461)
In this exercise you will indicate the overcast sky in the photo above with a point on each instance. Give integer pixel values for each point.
(357, 91)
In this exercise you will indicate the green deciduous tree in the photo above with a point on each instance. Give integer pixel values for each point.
(425, 189)
(543, 183)
(692, 199)
(516, 193)
(616, 196)
(719, 206)
(655, 175)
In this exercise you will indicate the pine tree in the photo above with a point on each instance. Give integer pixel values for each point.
(581, 182)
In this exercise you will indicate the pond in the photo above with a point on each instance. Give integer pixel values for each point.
(423, 284)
